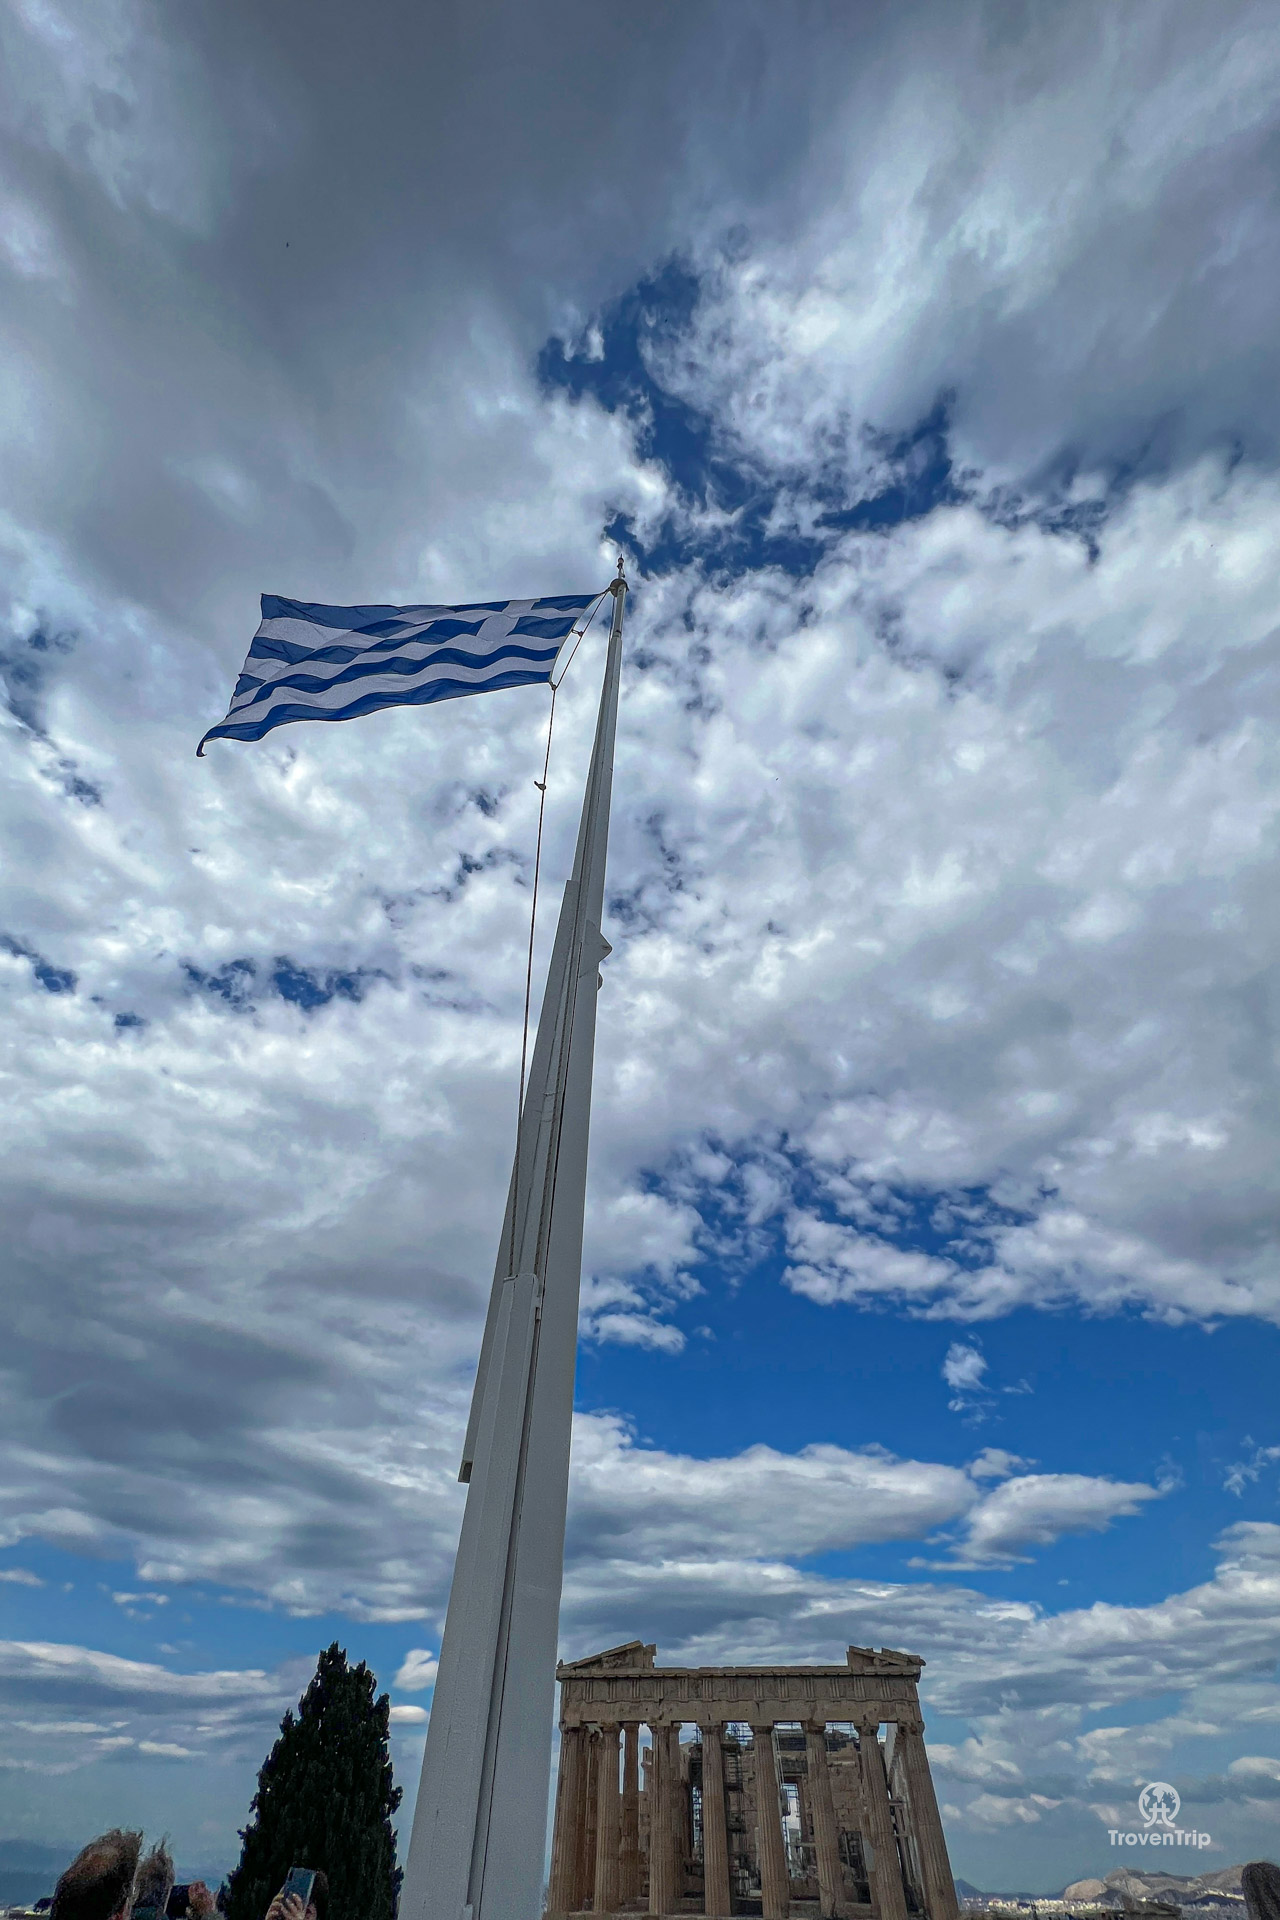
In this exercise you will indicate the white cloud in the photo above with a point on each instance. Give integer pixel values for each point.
(637, 1330)
(64, 1708)
(962, 230)
(417, 1671)
(835, 1264)
(1113, 1190)
(1038, 1508)
(964, 1369)
(632, 1503)
(964, 1366)
(72, 1715)
(997, 1810)
(53, 1664)
(996, 1463)
(1243, 1473)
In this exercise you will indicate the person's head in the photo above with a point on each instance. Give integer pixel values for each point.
(98, 1884)
(1260, 1885)
(154, 1884)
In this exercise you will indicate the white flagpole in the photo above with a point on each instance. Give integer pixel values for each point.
(479, 1828)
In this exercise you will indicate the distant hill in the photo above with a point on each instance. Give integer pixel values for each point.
(1183, 1889)
(1198, 1892)
(967, 1891)
(29, 1870)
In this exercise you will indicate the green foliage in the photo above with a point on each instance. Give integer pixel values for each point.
(325, 1800)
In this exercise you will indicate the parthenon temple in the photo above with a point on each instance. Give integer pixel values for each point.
(785, 1801)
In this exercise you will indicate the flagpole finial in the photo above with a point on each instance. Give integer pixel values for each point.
(619, 585)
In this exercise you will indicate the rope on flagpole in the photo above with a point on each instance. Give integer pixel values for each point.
(541, 785)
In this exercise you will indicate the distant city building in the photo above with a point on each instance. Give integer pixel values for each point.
(783, 1801)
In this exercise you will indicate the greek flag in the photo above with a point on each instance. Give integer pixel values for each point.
(311, 662)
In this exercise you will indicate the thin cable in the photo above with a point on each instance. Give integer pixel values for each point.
(541, 785)
(579, 632)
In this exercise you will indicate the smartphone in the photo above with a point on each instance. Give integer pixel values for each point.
(301, 1880)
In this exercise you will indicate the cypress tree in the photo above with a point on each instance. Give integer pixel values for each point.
(325, 1800)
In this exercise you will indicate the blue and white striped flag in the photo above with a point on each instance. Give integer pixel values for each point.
(333, 663)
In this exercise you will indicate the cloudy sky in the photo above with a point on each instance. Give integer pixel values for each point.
(922, 360)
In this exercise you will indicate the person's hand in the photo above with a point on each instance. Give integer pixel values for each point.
(286, 1906)
(202, 1903)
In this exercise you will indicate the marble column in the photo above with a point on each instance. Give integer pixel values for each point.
(775, 1884)
(608, 1823)
(679, 1838)
(826, 1834)
(629, 1874)
(563, 1894)
(661, 1838)
(715, 1833)
(587, 1827)
(935, 1868)
(888, 1898)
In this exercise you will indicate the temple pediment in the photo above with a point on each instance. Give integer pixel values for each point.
(633, 1657)
(887, 1660)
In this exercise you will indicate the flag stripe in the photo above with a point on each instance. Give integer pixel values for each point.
(372, 702)
(469, 676)
(279, 645)
(356, 619)
(328, 662)
(402, 668)
(309, 661)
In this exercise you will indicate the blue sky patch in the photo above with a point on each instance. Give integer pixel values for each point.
(53, 979)
(309, 987)
(24, 672)
(232, 982)
(788, 521)
(240, 982)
